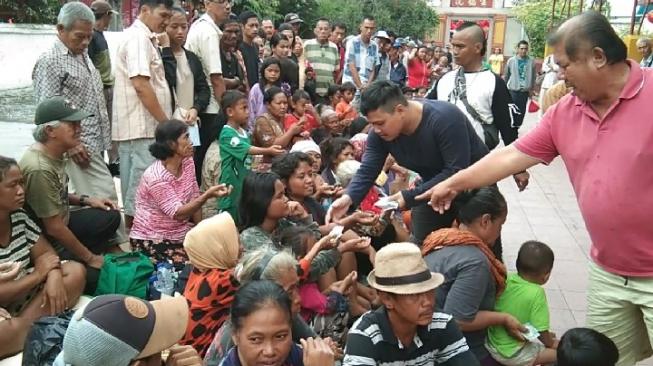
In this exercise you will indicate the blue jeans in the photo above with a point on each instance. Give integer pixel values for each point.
(135, 157)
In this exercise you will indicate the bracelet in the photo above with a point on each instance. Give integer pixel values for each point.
(82, 199)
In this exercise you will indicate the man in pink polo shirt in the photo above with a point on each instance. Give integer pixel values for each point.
(604, 133)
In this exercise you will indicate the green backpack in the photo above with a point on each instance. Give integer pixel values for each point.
(125, 274)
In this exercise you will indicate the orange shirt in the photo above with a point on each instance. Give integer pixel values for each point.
(346, 111)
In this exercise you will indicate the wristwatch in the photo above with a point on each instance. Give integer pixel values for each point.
(82, 199)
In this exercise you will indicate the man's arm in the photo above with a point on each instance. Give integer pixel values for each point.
(56, 228)
(498, 164)
(218, 84)
(506, 71)
(147, 96)
(492, 168)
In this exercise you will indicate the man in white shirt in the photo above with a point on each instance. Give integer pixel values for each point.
(141, 97)
(204, 40)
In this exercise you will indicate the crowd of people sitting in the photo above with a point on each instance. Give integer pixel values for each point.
(270, 196)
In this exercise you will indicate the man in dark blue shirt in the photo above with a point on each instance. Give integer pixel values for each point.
(432, 138)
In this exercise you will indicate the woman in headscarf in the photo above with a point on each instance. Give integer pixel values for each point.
(213, 249)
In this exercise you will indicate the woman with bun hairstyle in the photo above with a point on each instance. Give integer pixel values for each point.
(474, 276)
(168, 200)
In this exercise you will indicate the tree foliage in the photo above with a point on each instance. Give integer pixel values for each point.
(405, 17)
(536, 16)
(31, 11)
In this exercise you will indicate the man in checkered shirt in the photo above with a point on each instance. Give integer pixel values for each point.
(66, 70)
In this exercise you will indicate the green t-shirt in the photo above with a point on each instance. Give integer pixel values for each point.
(236, 163)
(46, 184)
(524, 300)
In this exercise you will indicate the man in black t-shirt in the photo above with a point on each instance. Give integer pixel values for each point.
(248, 48)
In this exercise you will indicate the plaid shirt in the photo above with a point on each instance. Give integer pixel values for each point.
(364, 65)
(60, 72)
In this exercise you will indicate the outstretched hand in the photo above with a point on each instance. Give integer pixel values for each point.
(440, 197)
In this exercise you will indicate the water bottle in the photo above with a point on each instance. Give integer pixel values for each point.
(165, 279)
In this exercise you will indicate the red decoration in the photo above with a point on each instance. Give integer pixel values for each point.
(471, 3)
(483, 23)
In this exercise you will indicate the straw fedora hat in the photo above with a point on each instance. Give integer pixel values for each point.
(400, 269)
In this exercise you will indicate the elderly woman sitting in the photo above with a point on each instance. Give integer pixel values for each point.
(168, 200)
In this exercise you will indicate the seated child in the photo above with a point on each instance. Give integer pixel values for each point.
(301, 110)
(525, 299)
(344, 109)
(334, 96)
(326, 311)
(586, 347)
(236, 150)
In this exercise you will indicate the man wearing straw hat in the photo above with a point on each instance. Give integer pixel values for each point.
(405, 330)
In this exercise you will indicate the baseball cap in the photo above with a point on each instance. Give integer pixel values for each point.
(58, 109)
(102, 7)
(382, 34)
(397, 44)
(292, 18)
(113, 330)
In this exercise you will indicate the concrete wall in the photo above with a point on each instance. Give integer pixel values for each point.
(20, 47)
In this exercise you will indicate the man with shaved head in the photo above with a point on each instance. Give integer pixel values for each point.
(604, 134)
(478, 92)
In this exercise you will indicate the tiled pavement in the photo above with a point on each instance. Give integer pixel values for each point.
(545, 211)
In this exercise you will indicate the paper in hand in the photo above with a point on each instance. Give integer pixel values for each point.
(194, 134)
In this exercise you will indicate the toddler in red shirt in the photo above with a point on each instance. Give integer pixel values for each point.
(301, 109)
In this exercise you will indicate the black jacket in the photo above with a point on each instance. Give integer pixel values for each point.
(202, 92)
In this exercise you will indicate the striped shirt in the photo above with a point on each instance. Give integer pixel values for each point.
(160, 194)
(325, 59)
(24, 234)
(371, 341)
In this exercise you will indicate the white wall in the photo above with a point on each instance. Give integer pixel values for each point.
(20, 47)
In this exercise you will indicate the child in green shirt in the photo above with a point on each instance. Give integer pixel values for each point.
(236, 150)
(525, 299)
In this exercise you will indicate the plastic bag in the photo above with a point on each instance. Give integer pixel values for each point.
(45, 339)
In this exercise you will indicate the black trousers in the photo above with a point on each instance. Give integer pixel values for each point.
(94, 228)
(520, 98)
(210, 126)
